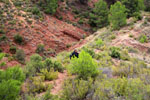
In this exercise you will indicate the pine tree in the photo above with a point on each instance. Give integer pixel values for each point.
(133, 6)
(147, 4)
(117, 15)
(99, 17)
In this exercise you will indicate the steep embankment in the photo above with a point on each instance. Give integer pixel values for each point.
(35, 28)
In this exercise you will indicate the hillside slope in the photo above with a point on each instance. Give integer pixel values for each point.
(35, 29)
(123, 40)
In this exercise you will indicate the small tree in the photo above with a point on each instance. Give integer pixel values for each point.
(84, 66)
(133, 6)
(99, 17)
(117, 15)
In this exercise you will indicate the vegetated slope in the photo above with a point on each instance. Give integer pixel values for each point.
(127, 37)
(56, 33)
(36, 28)
(117, 53)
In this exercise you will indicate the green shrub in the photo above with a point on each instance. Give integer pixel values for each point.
(2, 64)
(10, 83)
(34, 65)
(137, 15)
(14, 73)
(134, 68)
(35, 11)
(18, 39)
(99, 42)
(40, 48)
(117, 15)
(49, 96)
(18, 3)
(143, 39)
(76, 11)
(9, 90)
(58, 66)
(1, 50)
(13, 49)
(121, 88)
(115, 52)
(76, 89)
(89, 51)
(20, 56)
(104, 59)
(147, 5)
(51, 75)
(123, 70)
(84, 66)
(2, 31)
(124, 55)
(48, 64)
(35, 84)
(81, 21)
(3, 38)
(132, 50)
(113, 37)
(68, 45)
(131, 36)
(2, 55)
(147, 9)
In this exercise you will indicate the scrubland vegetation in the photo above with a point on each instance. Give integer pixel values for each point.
(102, 71)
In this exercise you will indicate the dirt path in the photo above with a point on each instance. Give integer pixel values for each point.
(57, 84)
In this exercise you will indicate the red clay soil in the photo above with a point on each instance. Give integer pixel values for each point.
(8, 63)
(66, 12)
(52, 32)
